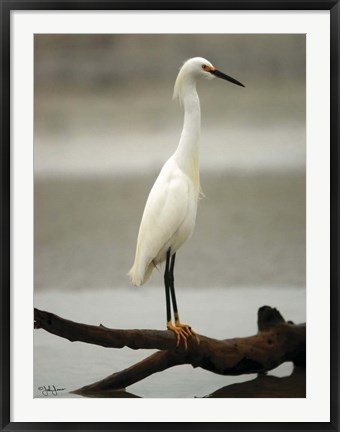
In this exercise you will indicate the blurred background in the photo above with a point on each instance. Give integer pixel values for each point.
(104, 125)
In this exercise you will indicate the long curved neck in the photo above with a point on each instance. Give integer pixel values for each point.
(187, 153)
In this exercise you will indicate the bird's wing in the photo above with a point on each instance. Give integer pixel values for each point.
(164, 213)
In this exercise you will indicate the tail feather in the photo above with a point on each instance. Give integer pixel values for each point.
(138, 277)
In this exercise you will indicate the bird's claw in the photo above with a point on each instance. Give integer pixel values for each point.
(182, 331)
(192, 333)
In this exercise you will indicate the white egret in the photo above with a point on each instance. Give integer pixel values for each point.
(170, 211)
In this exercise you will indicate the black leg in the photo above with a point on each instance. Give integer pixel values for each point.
(183, 331)
(167, 286)
(172, 287)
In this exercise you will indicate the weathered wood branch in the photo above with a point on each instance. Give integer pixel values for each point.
(103, 336)
(266, 386)
(277, 341)
(157, 362)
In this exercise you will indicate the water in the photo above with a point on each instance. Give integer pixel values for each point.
(250, 231)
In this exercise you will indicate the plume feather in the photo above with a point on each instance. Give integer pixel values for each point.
(177, 95)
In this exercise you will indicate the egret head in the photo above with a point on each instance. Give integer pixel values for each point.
(198, 67)
(195, 68)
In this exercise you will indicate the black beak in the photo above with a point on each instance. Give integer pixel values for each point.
(226, 77)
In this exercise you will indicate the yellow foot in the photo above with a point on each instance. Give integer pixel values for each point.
(189, 330)
(183, 331)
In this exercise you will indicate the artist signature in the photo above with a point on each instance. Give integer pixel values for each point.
(50, 390)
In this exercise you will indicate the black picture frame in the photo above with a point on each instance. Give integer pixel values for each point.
(6, 6)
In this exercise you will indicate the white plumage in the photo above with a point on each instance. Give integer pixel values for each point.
(170, 211)
(168, 219)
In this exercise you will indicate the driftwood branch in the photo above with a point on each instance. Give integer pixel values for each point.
(277, 341)
(103, 336)
(265, 386)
